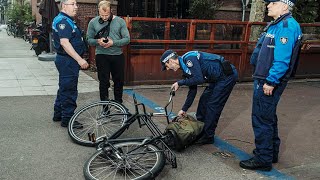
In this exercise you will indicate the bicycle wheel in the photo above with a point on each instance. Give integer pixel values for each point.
(132, 162)
(8, 30)
(103, 118)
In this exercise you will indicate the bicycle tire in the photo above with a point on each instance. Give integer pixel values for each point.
(8, 31)
(93, 119)
(37, 50)
(137, 164)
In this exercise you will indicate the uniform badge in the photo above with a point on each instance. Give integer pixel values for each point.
(284, 40)
(62, 26)
(189, 63)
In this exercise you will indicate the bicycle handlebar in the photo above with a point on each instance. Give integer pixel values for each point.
(172, 93)
(165, 113)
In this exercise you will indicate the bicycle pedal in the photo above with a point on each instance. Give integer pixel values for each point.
(92, 137)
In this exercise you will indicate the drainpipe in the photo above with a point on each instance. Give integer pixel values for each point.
(97, 7)
(243, 9)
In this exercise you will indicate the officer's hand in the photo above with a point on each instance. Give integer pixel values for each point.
(83, 64)
(181, 113)
(267, 89)
(175, 86)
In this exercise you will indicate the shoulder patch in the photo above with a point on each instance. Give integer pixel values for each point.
(62, 26)
(283, 40)
(189, 63)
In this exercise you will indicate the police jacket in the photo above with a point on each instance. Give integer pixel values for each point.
(63, 26)
(277, 52)
(198, 68)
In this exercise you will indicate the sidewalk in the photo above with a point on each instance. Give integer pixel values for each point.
(22, 74)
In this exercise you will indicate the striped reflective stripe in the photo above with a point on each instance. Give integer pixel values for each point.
(168, 57)
(288, 2)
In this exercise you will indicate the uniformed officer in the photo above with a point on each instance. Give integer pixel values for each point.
(275, 60)
(198, 68)
(69, 45)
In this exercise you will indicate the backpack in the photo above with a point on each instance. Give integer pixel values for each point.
(184, 131)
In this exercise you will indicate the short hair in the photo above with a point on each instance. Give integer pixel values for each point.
(63, 1)
(104, 4)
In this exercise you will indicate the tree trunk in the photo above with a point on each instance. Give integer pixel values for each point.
(257, 14)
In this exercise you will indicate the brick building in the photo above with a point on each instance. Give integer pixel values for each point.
(231, 10)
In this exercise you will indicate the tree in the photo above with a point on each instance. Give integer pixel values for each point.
(257, 14)
(21, 13)
(204, 9)
(306, 11)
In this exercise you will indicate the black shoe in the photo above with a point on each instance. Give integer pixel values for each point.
(56, 119)
(76, 124)
(64, 124)
(275, 158)
(255, 165)
(205, 140)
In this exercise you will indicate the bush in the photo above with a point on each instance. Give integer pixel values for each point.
(20, 13)
(306, 11)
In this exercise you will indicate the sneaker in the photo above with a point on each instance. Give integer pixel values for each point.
(253, 164)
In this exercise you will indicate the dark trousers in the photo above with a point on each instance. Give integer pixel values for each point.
(113, 64)
(65, 103)
(212, 102)
(265, 121)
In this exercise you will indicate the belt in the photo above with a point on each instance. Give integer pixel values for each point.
(62, 54)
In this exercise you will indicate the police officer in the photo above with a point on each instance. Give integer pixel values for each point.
(274, 59)
(198, 68)
(69, 45)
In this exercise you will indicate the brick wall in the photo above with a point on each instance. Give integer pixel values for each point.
(232, 10)
(85, 10)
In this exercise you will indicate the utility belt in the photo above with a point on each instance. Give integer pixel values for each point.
(62, 54)
(227, 70)
(226, 67)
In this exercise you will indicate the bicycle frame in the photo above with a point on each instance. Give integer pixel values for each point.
(144, 119)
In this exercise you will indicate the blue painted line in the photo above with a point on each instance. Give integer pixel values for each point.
(225, 146)
(219, 143)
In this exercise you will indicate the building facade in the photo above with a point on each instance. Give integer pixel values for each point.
(230, 9)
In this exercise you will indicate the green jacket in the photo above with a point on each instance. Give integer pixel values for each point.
(118, 33)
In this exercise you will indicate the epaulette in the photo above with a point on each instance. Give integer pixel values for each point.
(285, 23)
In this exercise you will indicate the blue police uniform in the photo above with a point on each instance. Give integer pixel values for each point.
(274, 59)
(198, 68)
(64, 27)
